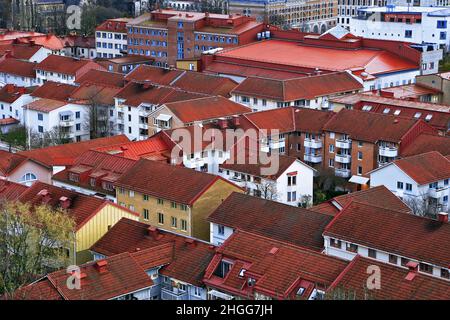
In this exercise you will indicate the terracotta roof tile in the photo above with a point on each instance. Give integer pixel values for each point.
(102, 77)
(391, 231)
(299, 88)
(10, 191)
(54, 90)
(278, 221)
(118, 25)
(394, 286)
(9, 162)
(65, 65)
(426, 167)
(426, 143)
(18, 67)
(65, 154)
(204, 83)
(10, 93)
(45, 105)
(145, 73)
(205, 109)
(151, 177)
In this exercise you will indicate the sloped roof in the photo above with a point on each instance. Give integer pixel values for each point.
(11, 191)
(354, 280)
(151, 177)
(102, 77)
(18, 67)
(299, 88)
(54, 90)
(62, 64)
(89, 93)
(10, 93)
(272, 219)
(9, 162)
(426, 167)
(392, 231)
(426, 143)
(204, 83)
(65, 154)
(146, 73)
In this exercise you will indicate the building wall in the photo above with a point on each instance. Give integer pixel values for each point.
(108, 46)
(42, 174)
(206, 204)
(435, 81)
(215, 237)
(15, 109)
(96, 228)
(8, 78)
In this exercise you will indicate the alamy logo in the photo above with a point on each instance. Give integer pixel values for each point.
(73, 21)
(73, 282)
(374, 280)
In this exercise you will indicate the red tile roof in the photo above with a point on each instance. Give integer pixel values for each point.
(154, 146)
(272, 219)
(426, 143)
(10, 93)
(99, 94)
(65, 154)
(18, 67)
(65, 65)
(310, 120)
(391, 231)
(281, 119)
(45, 105)
(394, 285)
(49, 41)
(183, 259)
(79, 41)
(99, 165)
(370, 127)
(206, 108)
(102, 77)
(324, 58)
(299, 88)
(134, 94)
(82, 207)
(10, 191)
(203, 83)
(118, 25)
(151, 177)
(54, 91)
(9, 162)
(8, 121)
(122, 275)
(426, 167)
(146, 73)
(279, 269)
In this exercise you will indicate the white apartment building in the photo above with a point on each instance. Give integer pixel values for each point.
(17, 72)
(12, 99)
(421, 181)
(291, 185)
(131, 120)
(46, 115)
(408, 24)
(111, 38)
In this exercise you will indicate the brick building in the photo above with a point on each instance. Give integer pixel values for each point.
(169, 35)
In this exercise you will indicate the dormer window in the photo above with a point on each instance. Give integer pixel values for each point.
(366, 108)
(223, 268)
(74, 177)
(92, 182)
(300, 291)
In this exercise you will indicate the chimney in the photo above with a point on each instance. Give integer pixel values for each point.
(64, 202)
(443, 217)
(236, 121)
(154, 233)
(46, 197)
(101, 265)
(273, 250)
(413, 269)
(223, 123)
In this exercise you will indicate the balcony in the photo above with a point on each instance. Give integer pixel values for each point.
(343, 158)
(312, 158)
(437, 192)
(343, 173)
(194, 163)
(313, 144)
(66, 123)
(172, 293)
(343, 144)
(120, 120)
(388, 152)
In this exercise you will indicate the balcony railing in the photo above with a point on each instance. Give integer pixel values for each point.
(172, 293)
(66, 123)
(312, 158)
(437, 192)
(343, 158)
(314, 144)
(343, 173)
(388, 152)
(343, 144)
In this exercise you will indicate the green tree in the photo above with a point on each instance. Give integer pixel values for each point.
(15, 138)
(33, 241)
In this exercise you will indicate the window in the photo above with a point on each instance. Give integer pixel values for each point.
(78, 127)
(160, 201)
(77, 115)
(404, 262)
(183, 225)
(221, 230)
(335, 243)
(351, 247)
(331, 135)
(408, 186)
(40, 116)
(441, 24)
(397, 112)
(331, 163)
(331, 148)
(445, 274)
(183, 207)
(160, 218)
(360, 144)
(92, 182)
(292, 180)
(408, 33)
(360, 155)
(173, 205)
(446, 182)
(145, 196)
(425, 268)
(173, 222)
(360, 170)
(372, 253)
(74, 177)
(442, 35)
(145, 214)
(399, 185)
(131, 193)
(393, 259)
(197, 292)
(27, 178)
(386, 111)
